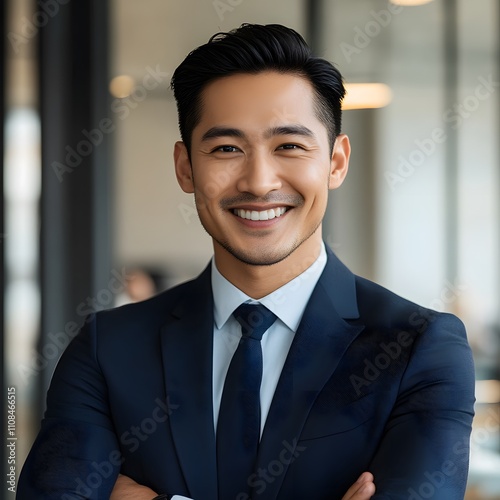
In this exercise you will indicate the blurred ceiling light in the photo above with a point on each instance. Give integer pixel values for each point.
(121, 86)
(367, 96)
(410, 3)
(487, 391)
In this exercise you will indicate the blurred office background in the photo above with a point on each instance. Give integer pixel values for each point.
(90, 200)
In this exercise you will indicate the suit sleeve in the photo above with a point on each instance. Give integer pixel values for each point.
(76, 454)
(424, 452)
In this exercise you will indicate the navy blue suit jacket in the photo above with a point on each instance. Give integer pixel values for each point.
(371, 382)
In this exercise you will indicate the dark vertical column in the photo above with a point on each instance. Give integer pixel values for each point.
(73, 104)
(314, 13)
(450, 32)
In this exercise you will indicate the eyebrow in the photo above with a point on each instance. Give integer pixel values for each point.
(216, 132)
(289, 130)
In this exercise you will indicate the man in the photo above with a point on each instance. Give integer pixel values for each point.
(189, 394)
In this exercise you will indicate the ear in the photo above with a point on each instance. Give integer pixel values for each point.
(340, 161)
(183, 170)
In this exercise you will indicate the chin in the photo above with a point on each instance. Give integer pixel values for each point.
(259, 258)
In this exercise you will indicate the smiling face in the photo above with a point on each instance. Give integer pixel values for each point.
(261, 169)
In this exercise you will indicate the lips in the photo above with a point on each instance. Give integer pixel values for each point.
(260, 214)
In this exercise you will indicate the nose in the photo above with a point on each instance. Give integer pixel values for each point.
(259, 176)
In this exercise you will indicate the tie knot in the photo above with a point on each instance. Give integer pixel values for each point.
(254, 319)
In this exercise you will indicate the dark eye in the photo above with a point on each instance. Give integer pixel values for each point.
(289, 147)
(226, 149)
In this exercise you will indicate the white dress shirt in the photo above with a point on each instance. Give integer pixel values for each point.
(287, 303)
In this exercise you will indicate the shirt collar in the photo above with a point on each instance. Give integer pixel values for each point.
(287, 302)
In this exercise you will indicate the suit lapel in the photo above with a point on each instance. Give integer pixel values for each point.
(321, 340)
(187, 356)
(187, 345)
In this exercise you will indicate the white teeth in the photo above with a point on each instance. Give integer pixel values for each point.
(263, 215)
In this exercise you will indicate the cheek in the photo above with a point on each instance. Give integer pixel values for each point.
(216, 179)
(312, 185)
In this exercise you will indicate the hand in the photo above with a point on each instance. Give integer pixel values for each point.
(127, 489)
(362, 489)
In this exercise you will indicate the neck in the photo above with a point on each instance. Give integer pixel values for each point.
(259, 281)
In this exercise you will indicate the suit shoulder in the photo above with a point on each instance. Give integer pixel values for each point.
(378, 305)
(376, 301)
(147, 314)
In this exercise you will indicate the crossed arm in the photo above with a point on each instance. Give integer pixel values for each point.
(127, 489)
(426, 438)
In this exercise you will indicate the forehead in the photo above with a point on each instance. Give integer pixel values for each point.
(264, 98)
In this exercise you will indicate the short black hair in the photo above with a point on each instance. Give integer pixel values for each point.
(252, 49)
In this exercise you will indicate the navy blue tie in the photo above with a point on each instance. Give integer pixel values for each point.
(238, 427)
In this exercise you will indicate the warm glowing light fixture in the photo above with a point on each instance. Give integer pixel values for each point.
(488, 391)
(367, 96)
(121, 86)
(410, 3)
